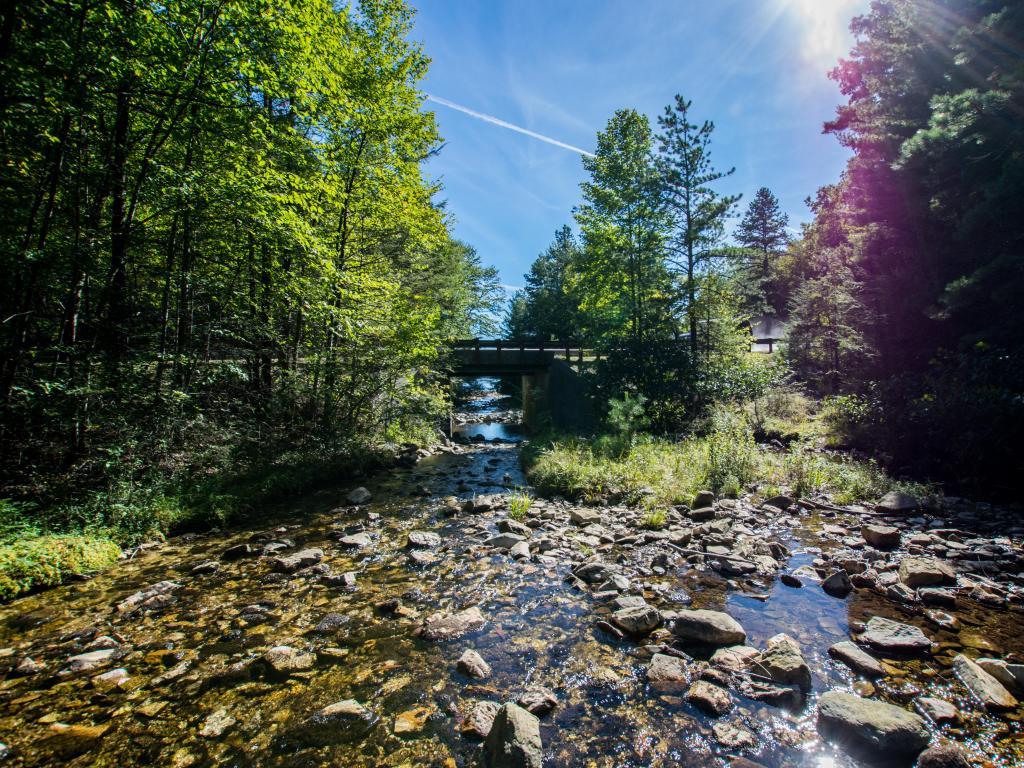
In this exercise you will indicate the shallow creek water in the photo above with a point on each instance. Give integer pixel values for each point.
(540, 630)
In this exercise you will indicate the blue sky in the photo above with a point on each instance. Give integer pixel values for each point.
(560, 68)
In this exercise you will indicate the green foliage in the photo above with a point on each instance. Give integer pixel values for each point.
(762, 232)
(654, 520)
(626, 417)
(47, 561)
(519, 505)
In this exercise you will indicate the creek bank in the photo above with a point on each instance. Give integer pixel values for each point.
(598, 628)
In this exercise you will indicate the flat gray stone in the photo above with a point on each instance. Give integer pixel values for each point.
(879, 729)
(711, 627)
(448, 626)
(989, 692)
(893, 636)
(856, 659)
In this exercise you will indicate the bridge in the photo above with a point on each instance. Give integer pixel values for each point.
(549, 370)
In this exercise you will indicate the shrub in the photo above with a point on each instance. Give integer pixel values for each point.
(654, 520)
(48, 561)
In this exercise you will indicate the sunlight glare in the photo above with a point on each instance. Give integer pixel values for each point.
(825, 22)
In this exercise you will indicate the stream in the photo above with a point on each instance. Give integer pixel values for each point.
(184, 684)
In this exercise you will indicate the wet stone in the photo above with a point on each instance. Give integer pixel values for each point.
(296, 562)
(72, 740)
(411, 721)
(937, 710)
(239, 551)
(283, 660)
(356, 541)
(925, 572)
(837, 584)
(471, 664)
(448, 626)
(538, 700)
(423, 540)
(331, 624)
(153, 597)
(732, 736)
(344, 721)
(514, 740)
(873, 727)
(478, 722)
(709, 698)
(667, 673)
(944, 756)
(216, 724)
(640, 620)
(86, 662)
(989, 692)
(1010, 675)
(881, 536)
(784, 664)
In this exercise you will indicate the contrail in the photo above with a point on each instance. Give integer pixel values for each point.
(503, 124)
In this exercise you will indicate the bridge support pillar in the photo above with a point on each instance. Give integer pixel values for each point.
(535, 398)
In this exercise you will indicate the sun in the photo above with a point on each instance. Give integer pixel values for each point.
(825, 25)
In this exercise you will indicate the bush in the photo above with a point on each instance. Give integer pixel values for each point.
(48, 561)
(654, 520)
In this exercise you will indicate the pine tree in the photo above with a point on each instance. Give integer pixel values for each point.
(699, 213)
(762, 232)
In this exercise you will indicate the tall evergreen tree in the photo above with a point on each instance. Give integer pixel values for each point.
(762, 231)
(698, 212)
(548, 307)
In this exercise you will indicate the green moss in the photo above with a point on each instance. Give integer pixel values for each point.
(48, 561)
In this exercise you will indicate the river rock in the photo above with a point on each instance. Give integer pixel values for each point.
(69, 741)
(520, 550)
(640, 620)
(239, 551)
(358, 496)
(734, 658)
(986, 689)
(925, 572)
(584, 517)
(945, 755)
(940, 598)
(423, 540)
(27, 666)
(782, 663)
(837, 584)
(1010, 675)
(412, 720)
(86, 662)
(479, 720)
(703, 499)
(216, 724)
(513, 741)
(709, 698)
(880, 536)
(895, 637)
(448, 626)
(856, 659)
(296, 562)
(732, 736)
(504, 540)
(879, 729)
(666, 673)
(937, 710)
(338, 723)
(283, 660)
(895, 502)
(153, 597)
(356, 541)
(471, 664)
(538, 700)
(711, 627)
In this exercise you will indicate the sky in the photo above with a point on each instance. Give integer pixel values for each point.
(521, 87)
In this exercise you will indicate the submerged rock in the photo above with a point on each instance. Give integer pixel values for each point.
(423, 540)
(283, 660)
(153, 597)
(448, 626)
(879, 729)
(344, 721)
(513, 740)
(711, 627)
(538, 700)
(72, 740)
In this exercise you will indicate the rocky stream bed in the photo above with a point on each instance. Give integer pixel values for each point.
(413, 622)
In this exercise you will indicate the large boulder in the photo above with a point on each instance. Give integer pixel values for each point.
(989, 692)
(895, 637)
(513, 740)
(710, 627)
(881, 730)
(925, 572)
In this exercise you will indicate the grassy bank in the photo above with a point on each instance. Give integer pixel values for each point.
(723, 458)
(45, 545)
